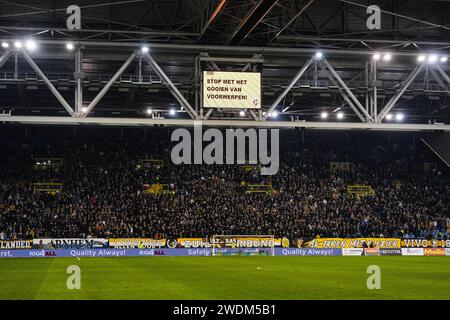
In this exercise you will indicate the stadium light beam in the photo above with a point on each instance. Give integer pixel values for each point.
(70, 46)
(432, 58)
(340, 115)
(5, 45)
(389, 116)
(324, 115)
(376, 57)
(18, 44)
(399, 116)
(387, 57)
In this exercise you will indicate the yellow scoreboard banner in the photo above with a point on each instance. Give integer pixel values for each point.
(194, 242)
(253, 241)
(257, 241)
(231, 90)
(353, 242)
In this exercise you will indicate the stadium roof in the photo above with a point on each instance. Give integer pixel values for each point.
(276, 37)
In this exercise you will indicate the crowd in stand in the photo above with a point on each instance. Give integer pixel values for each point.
(103, 194)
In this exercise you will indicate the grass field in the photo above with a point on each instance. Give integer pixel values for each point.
(226, 278)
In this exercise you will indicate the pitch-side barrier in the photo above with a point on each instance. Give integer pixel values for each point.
(184, 252)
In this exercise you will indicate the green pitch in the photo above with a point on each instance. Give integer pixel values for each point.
(226, 278)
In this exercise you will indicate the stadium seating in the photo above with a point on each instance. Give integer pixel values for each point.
(103, 195)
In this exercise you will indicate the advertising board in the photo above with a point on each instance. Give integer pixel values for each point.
(371, 251)
(391, 252)
(307, 252)
(231, 90)
(412, 252)
(136, 243)
(353, 242)
(352, 251)
(434, 251)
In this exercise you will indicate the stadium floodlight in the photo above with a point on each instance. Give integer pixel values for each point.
(144, 49)
(389, 116)
(242, 113)
(421, 58)
(319, 55)
(274, 114)
(70, 46)
(84, 109)
(149, 111)
(18, 44)
(387, 57)
(172, 112)
(324, 115)
(376, 57)
(5, 45)
(30, 45)
(399, 117)
(432, 58)
(444, 59)
(340, 115)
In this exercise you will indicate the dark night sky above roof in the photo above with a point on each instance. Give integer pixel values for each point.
(252, 22)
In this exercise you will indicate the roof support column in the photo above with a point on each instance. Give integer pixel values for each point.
(343, 94)
(350, 94)
(443, 74)
(48, 83)
(288, 88)
(5, 58)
